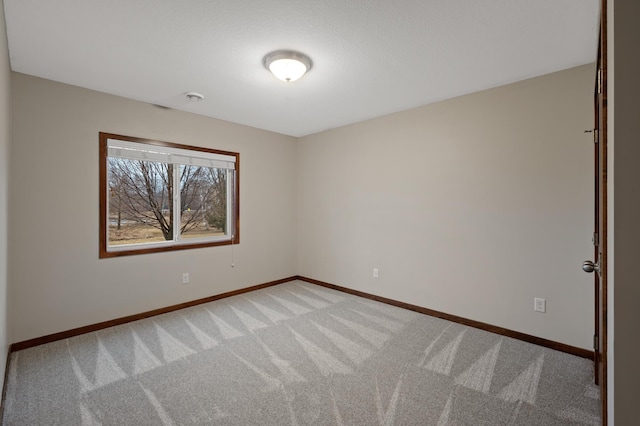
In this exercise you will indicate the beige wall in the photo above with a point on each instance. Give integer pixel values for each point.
(5, 133)
(472, 206)
(624, 119)
(57, 280)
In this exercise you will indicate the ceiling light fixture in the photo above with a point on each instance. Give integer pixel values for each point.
(287, 65)
(194, 97)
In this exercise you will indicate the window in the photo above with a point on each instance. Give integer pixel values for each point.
(159, 196)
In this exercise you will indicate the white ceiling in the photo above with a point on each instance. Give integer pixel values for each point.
(371, 58)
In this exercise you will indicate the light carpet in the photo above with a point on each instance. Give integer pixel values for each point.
(297, 354)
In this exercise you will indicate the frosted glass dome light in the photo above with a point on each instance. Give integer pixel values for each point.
(287, 65)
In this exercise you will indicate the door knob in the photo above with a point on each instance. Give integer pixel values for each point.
(589, 266)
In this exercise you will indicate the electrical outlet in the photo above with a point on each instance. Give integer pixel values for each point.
(376, 273)
(539, 305)
(185, 278)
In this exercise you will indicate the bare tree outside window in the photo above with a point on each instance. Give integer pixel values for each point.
(141, 202)
(204, 201)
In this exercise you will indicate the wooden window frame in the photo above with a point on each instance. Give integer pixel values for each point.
(104, 252)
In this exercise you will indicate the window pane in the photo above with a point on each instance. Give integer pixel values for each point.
(140, 197)
(203, 196)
